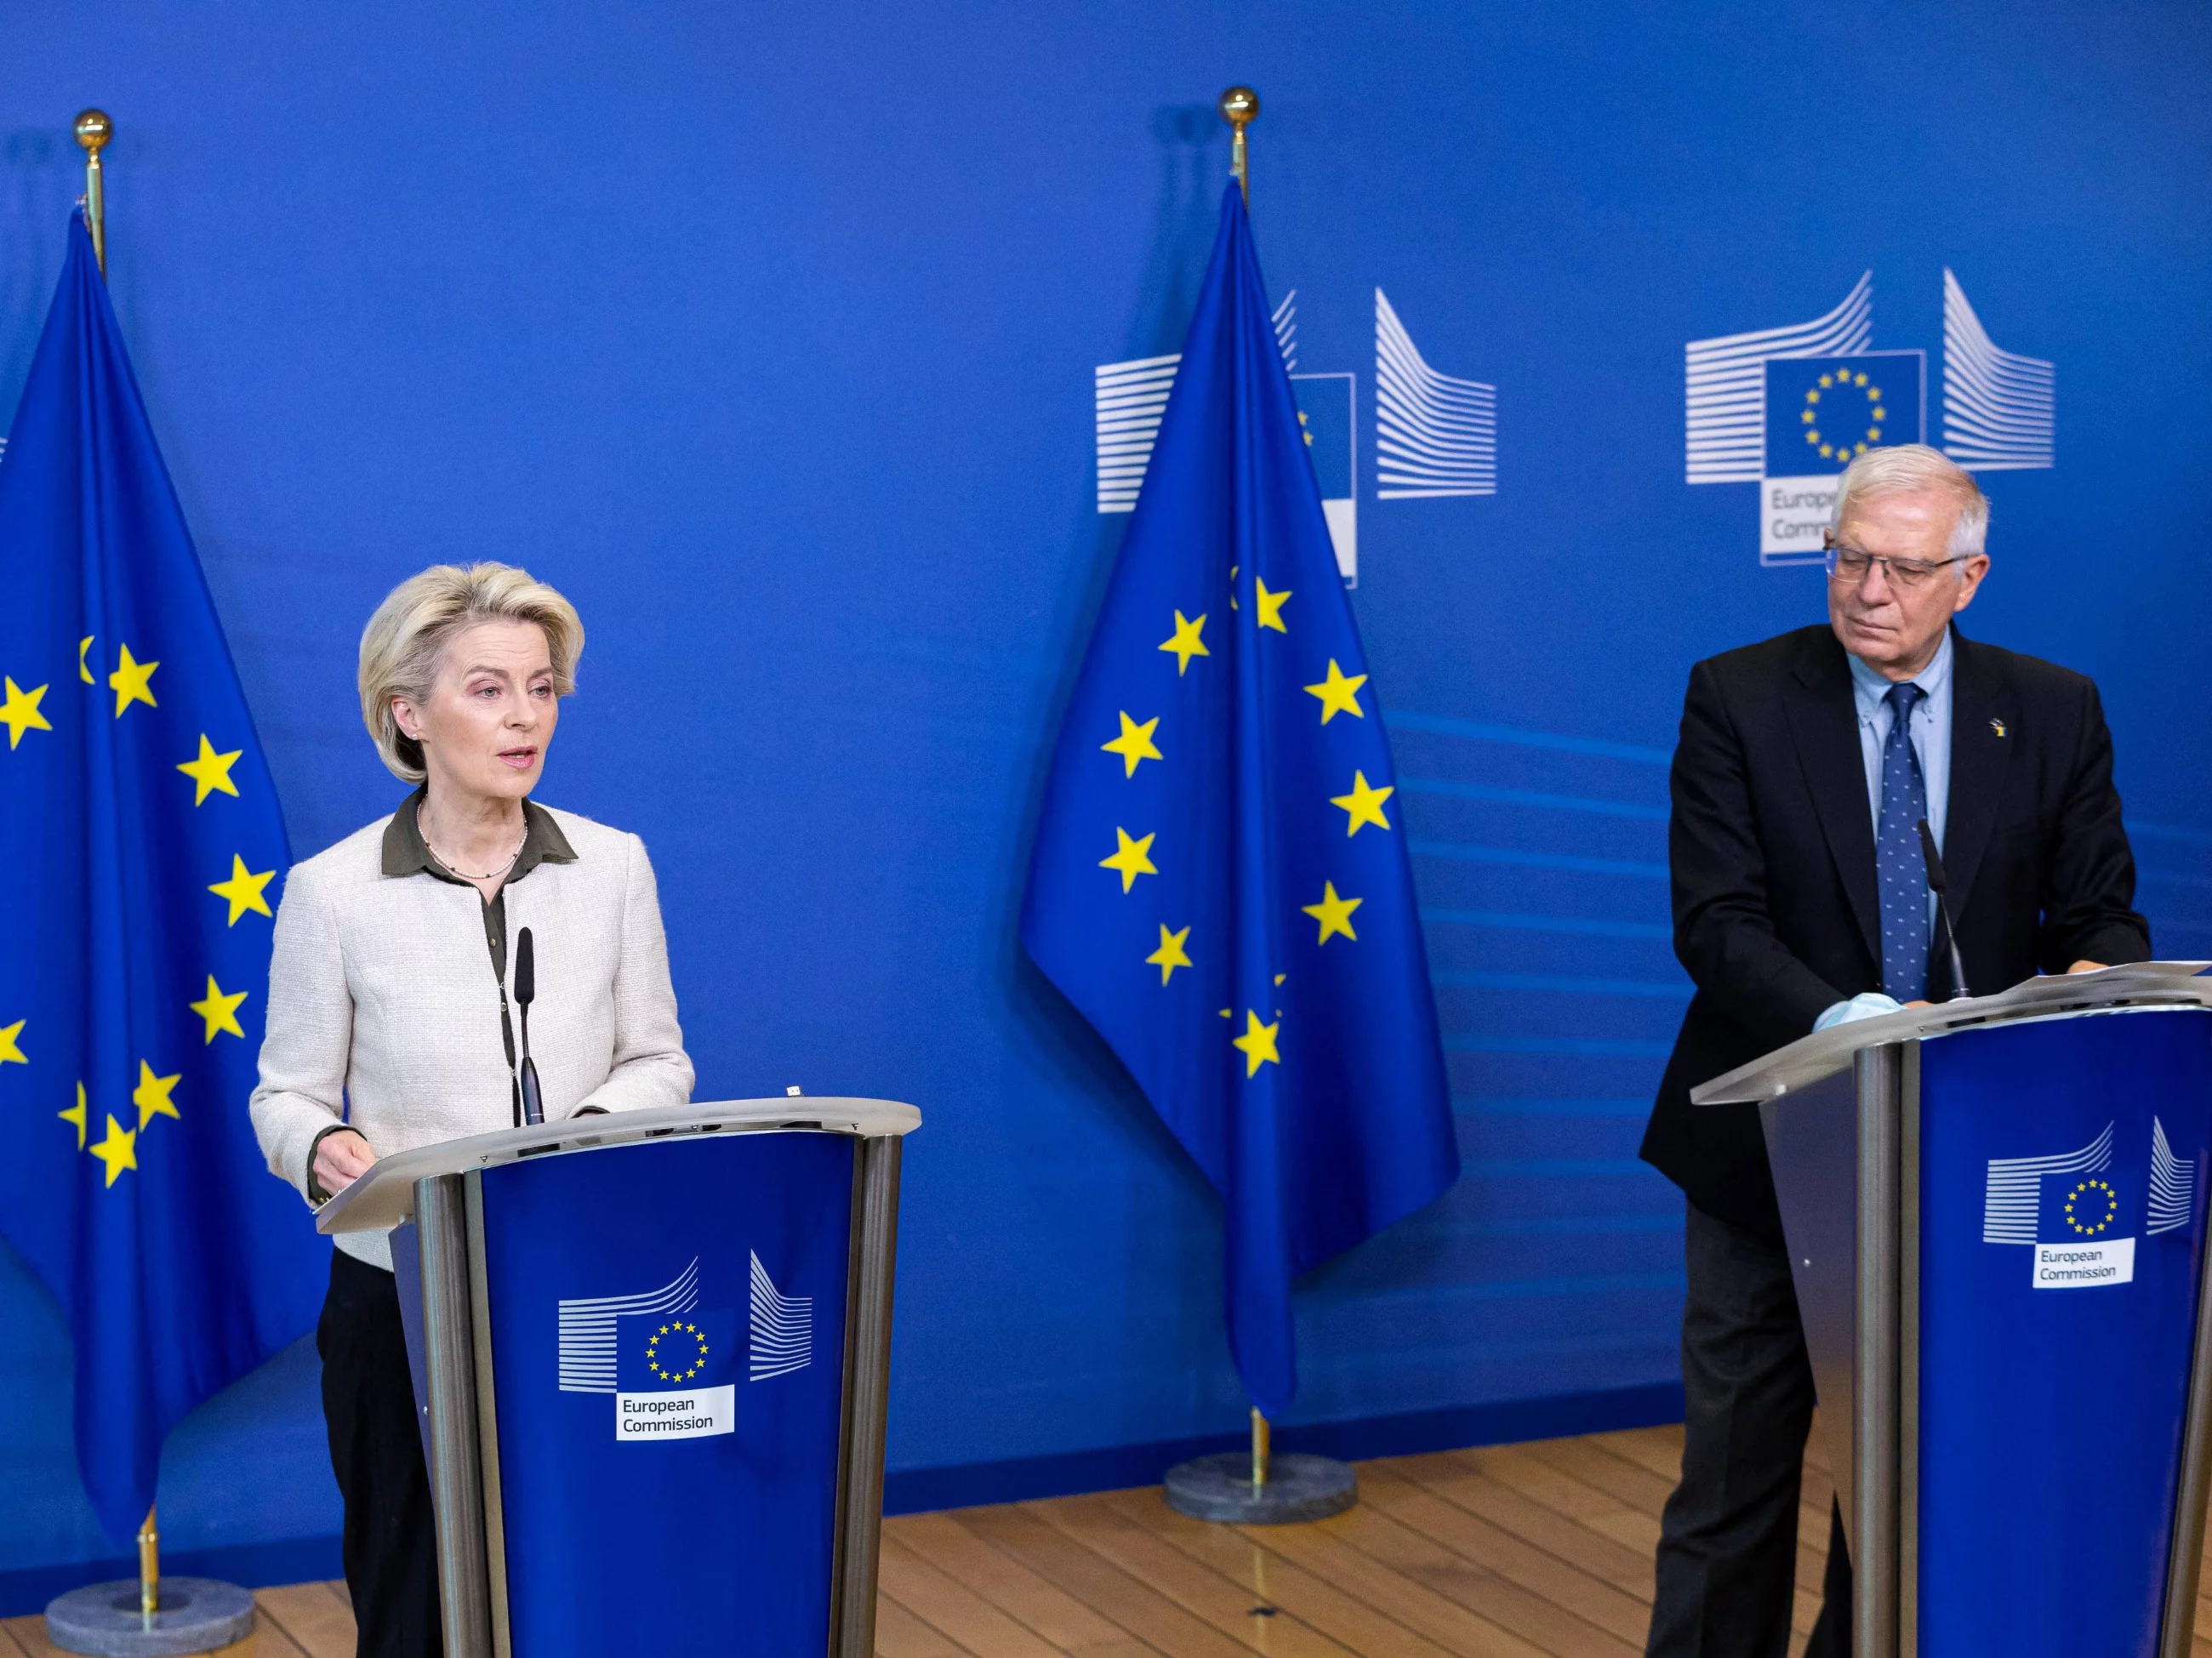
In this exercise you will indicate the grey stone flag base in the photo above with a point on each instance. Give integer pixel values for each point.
(198, 1614)
(1299, 1487)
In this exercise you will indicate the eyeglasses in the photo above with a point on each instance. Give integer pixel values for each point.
(1850, 565)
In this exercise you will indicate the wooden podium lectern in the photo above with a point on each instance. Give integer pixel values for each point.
(652, 1352)
(1994, 1210)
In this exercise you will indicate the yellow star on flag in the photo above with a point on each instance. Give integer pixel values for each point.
(1335, 913)
(8, 1050)
(75, 1115)
(115, 1151)
(1169, 955)
(1134, 744)
(1271, 605)
(151, 1097)
(221, 1011)
(1363, 804)
(1129, 857)
(1186, 644)
(243, 890)
(211, 771)
(129, 682)
(1257, 1044)
(1338, 694)
(83, 669)
(20, 713)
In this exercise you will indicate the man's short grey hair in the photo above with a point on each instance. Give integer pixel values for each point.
(404, 644)
(1908, 468)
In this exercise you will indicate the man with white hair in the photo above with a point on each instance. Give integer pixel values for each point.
(1804, 769)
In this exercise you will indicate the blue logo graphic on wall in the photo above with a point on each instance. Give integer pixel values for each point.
(1822, 413)
(1436, 435)
(1743, 425)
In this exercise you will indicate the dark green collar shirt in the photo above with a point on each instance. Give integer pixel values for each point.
(405, 852)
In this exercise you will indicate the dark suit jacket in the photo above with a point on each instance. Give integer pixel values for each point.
(1771, 846)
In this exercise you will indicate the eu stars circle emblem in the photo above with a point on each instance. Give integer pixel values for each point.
(675, 1352)
(2091, 1208)
(1844, 389)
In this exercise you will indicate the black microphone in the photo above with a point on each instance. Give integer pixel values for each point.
(1937, 884)
(526, 991)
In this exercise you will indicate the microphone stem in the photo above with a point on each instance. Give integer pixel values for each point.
(1959, 991)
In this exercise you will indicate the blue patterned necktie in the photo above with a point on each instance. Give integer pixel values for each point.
(1898, 861)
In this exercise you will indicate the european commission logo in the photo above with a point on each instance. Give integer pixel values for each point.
(1436, 435)
(2078, 1215)
(1788, 408)
(674, 1367)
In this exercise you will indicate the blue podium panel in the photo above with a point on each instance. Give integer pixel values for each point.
(2061, 1178)
(667, 1328)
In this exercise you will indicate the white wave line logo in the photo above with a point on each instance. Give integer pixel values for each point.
(2173, 1185)
(587, 1329)
(1726, 382)
(2000, 410)
(2014, 1197)
(1434, 434)
(1130, 397)
(782, 1329)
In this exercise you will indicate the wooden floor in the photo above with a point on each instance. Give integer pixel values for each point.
(1510, 1552)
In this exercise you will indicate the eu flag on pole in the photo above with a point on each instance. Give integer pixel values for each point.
(140, 851)
(1220, 882)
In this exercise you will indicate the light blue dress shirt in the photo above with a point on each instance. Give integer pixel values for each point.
(1931, 742)
(1931, 733)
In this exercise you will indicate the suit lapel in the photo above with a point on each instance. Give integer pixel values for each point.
(1825, 722)
(1981, 749)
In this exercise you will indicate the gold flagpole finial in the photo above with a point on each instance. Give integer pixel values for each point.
(93, 130)
(1239, 107)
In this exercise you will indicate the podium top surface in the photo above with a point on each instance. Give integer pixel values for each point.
(384, 1197)
(2109, 990)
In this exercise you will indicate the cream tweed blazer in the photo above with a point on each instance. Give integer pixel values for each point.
(381, 996)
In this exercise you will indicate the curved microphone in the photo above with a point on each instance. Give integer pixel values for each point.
(526, 991)
(1939, 886)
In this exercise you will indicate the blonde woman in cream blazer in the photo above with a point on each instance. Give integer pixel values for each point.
(390, 1019)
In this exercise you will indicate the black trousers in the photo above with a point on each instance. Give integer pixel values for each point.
(1728, 1540)
(376, 1451)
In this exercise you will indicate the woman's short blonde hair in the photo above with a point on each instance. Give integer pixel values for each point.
(404, 643)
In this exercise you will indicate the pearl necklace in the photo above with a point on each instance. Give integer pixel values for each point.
(489, 874)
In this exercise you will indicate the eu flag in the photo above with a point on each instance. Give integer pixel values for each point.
(1220, 881)
(141, 850)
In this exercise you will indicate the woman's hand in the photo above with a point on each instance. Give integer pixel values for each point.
(341, 1159)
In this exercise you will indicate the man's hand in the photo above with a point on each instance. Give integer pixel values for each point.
(341, 1159)
(2087, 967)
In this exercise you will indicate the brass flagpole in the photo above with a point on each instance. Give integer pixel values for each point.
(1239, 106)
(1229, 1486)
(203, 1615)
(150, 1570)
(93, 130)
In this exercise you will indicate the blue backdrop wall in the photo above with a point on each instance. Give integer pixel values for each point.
(771, 336)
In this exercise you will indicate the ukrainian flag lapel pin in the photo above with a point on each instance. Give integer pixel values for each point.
(1997, 726)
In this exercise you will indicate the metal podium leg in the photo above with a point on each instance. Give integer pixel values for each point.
(867, 1397)
(1875, 1381)
(2178, 1631)
(455, 1471)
